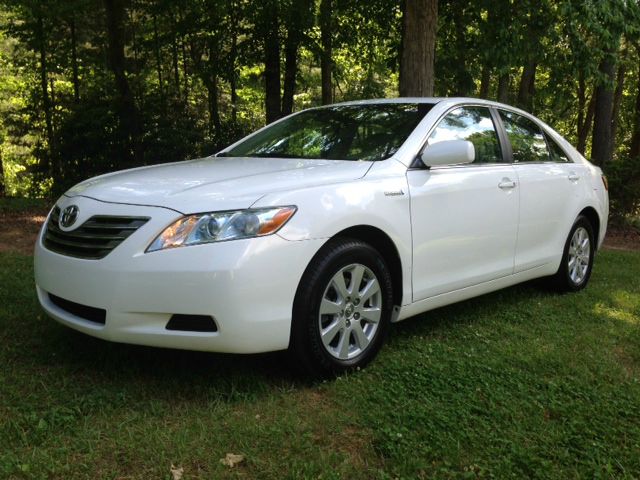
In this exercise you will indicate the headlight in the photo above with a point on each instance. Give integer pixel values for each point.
(221, 226)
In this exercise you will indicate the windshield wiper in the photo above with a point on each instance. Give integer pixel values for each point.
(272, 155)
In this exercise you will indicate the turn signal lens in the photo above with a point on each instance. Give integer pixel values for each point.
(221, 226)
(274, 223)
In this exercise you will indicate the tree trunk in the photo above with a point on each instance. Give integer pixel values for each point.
(526, 90)
(503, 87)
(271, 45)
(463, 81)
(175, 58)
(485, 81)
(582, 101)
(420, 21)
(617, 98)
(185, 68)
(290, 69)
(635, 136)
(212, 87)
(583, 134)
(214, 112)
(156, 49)
(3, 191)
(233, 78)
(326, 59)
(129, 117)
(46, 101)
(74, 61)
(601, 141)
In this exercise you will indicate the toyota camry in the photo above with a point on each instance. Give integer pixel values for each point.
(318, 231)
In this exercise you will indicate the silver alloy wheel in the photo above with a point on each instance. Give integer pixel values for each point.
(350, 311)
(579, 255)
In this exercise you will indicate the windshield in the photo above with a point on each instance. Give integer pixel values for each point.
(344, 132)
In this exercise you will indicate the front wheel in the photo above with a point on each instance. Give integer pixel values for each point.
(342, 309)
(577, 259)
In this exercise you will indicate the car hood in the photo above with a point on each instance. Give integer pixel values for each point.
(215, 183)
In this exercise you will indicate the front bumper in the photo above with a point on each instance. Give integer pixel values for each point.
(247, 286)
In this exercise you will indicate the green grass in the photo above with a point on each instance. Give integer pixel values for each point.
(516, 384)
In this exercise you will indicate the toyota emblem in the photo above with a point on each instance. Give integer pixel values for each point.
(69, 216)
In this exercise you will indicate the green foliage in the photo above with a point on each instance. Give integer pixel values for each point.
(195, 72)
(624, 180)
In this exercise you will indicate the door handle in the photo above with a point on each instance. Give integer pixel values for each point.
(573, 177)
(507, 184)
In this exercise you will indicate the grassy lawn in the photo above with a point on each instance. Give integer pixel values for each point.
(520, 384)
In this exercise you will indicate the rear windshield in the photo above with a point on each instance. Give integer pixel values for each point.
(344, 132)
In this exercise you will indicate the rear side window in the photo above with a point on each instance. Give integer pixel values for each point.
(527, 140)
(475, 125)
(557, 154)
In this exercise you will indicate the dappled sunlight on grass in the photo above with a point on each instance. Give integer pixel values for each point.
(616, 314)
(627, 299)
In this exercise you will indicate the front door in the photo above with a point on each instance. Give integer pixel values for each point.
(464, 218)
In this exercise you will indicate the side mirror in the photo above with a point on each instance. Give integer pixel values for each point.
(449, 152)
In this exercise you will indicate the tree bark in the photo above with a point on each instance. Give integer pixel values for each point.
(601, 141)
(583, 134)
(233, 78)
(174, 54)
(503, 87)
(74, 61)
(463, 81)
(212, 89)
(3, 190)
(299, 14)
(46, 101)
(582, 101)
(617, 98)
(526, 90)
(214, 112)
(420, 21)
(185, 68)
(271, 46)
(290, 69)
(634, 152)
(326, 58)
(128, 112)
(485, 82)
(156, 50)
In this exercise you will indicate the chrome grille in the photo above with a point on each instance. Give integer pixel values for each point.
(94, 239)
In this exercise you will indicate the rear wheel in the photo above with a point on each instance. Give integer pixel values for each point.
(577, 259)
(342, 309)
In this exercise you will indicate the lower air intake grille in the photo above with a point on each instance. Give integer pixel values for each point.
(192, 323)
(94, 239)
(92, 314)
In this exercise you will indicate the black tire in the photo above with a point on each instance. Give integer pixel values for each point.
(563, 281)
(308, 351)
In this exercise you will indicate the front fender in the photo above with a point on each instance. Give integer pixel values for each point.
(326, 210)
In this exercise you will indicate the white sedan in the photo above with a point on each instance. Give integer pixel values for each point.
(318, 231)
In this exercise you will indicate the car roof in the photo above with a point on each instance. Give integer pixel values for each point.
(429, 100)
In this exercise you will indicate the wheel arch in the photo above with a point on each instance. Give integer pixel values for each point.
(592, 215)
(379, 240)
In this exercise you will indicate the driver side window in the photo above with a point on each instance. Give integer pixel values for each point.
(475, 125)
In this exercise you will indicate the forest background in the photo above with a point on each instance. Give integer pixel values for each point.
(93, 86)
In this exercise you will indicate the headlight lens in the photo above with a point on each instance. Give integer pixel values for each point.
(221, 226)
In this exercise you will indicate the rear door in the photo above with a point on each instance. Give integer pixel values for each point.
(550, 186)
(464, 217)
